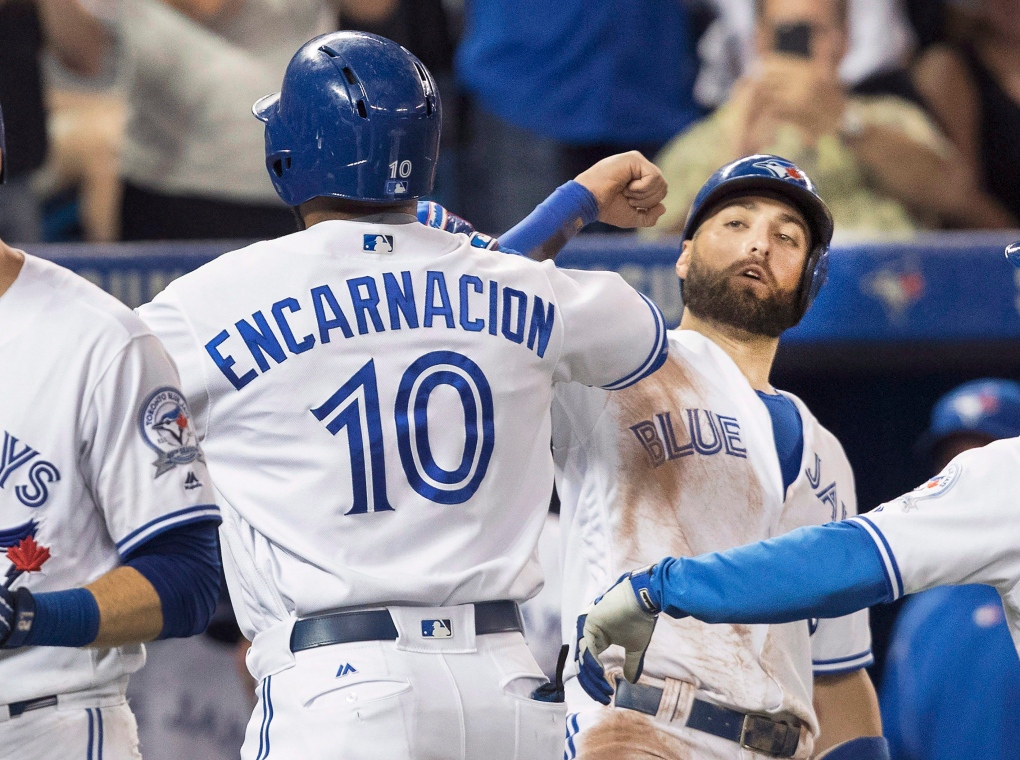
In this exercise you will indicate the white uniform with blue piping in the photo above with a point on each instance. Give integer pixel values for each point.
(98, 455)
(373, 398)
(683, 463)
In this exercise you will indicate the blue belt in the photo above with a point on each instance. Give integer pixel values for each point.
(751, 731)
(377, 625)
(17, 708)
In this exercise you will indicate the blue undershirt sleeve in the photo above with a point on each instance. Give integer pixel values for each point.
(817, 571)
(555, 221)
(183, 565)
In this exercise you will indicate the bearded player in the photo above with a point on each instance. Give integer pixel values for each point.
(106, 512)
(957, 528)
(705, 455)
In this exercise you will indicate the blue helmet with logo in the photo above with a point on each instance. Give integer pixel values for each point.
(357, 117)
(989, 407)
(775, 177)
(3, 149)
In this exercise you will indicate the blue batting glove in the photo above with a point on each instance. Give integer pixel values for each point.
(17, 612)
(431, 214)
(624, 615)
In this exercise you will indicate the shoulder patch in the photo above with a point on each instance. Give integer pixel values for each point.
(165, 424)
(938, 485)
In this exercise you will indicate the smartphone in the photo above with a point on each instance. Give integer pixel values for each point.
(793, 39)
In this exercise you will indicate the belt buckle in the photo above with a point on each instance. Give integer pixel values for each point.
(770, 737)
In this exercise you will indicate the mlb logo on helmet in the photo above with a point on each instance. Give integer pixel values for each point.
(396, 187)
(378, 243)
(436, 629)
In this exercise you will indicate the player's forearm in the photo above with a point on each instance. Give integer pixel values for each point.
(130, 610)
(818, 571)
(544, 232)
(847, 707)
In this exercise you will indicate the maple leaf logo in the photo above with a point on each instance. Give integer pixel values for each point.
(26, 557)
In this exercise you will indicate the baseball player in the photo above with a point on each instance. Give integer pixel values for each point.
(925, 699)
(107, 517)
(373, 395)
(706, 455)
(959, 527)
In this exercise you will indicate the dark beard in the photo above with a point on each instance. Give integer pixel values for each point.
(712, 297)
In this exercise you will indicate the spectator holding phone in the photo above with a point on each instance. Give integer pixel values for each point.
(872, 157)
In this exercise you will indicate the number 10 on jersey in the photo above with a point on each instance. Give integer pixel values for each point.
(355, 407)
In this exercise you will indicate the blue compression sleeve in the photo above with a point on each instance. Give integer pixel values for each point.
(64, 619)
(555, 221)
(817, 571)
(183, 565)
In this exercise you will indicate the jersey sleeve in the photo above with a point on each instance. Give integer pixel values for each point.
(168, 323)
(142, 460)
(960, 527)
(841, 645)
(613, 336)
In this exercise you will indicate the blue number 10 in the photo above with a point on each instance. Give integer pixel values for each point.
(360, 414)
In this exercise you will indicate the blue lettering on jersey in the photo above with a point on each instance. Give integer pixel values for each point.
(38, 476)
(706, 433)
(518, 317)
(827, 495)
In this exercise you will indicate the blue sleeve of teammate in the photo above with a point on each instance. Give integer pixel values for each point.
(555, 221)
(183, 565)
(818, 571)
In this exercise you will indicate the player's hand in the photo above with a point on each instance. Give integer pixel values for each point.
(431, 214)
(628, 188)
(17, 612)
(624, 615)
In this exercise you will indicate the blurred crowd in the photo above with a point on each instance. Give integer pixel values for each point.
(130, 119)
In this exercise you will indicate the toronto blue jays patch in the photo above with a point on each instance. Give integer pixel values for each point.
(938, 485)
(166, 427)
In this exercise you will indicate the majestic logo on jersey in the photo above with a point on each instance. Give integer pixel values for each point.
(192, 482)
(345, 670)
(166, 427)
(35, 478)
(706, 433)
(935, 486)
(436, 629)
(378, 243)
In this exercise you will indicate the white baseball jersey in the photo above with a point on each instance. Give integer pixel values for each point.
(684, 463)
(99, 455)
(959, 527)
(374, 403)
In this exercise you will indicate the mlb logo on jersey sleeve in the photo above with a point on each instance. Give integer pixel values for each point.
(378, 243)
(436, 629)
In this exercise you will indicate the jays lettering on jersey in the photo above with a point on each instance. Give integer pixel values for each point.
(93, 461)
(373, 400)
(959, 527)
(683, 463)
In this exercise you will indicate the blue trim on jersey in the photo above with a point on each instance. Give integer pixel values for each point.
(570, 751)
(267, 718)
(99, 720)
(88, 711)
(842, 665)
(165, 522)
(892, 570)
(656, 358)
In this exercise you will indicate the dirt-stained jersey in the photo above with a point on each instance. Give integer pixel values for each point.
(683, 463)
(99, 454)
(374, 403)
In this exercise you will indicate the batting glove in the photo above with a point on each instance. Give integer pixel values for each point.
(624, 615)
(431, 214)
(17, 612)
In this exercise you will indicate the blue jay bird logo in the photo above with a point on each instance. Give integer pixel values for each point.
(378, 243)
(165, 424)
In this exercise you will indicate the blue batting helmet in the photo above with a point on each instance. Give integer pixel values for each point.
(1013, 254)
(357, 117)
(3, 149)
(772, 176)
(989, 407)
